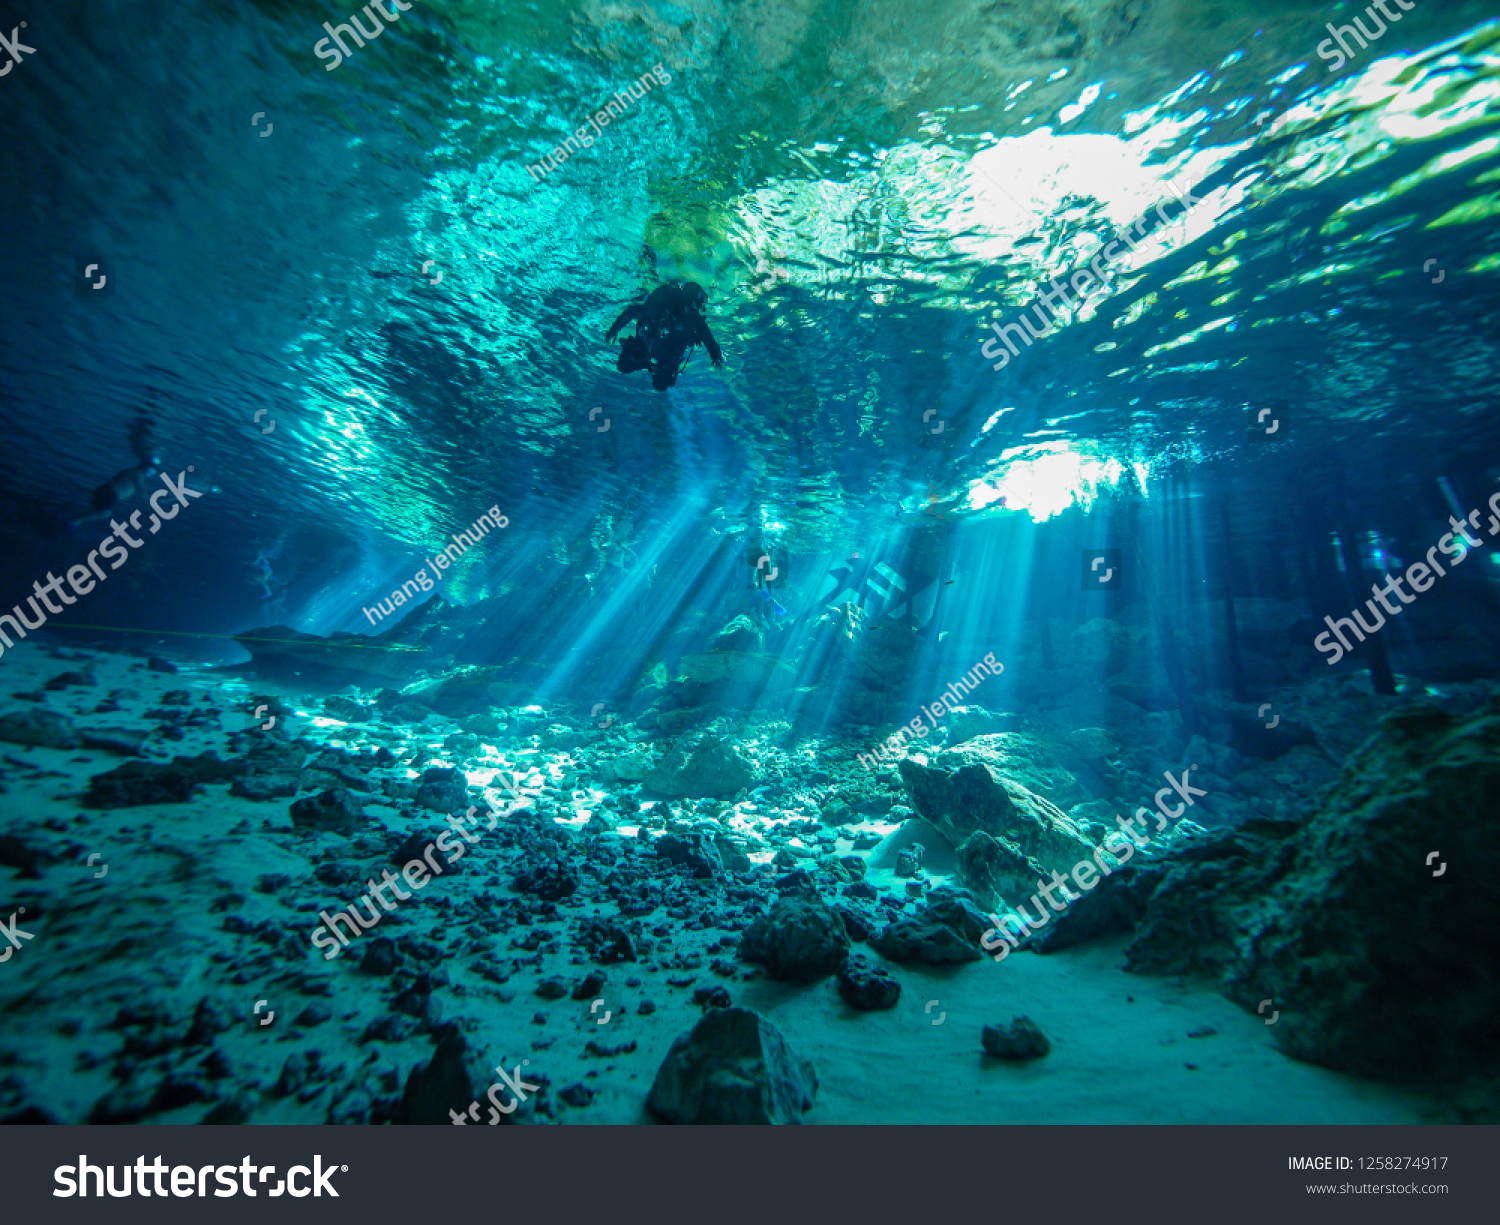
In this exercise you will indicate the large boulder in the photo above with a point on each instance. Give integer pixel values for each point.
(969, 788)
(995, 871)
(799, 940)
(1381, 959)
(732, 1067)
(710, 769)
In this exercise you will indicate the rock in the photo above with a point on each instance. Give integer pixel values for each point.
(867, 988)
(967, 722)
(450, 1081)
(380, 956)
(1393, 971)
(142, 782)
(733, 1067)
(589, 986)
(741, 634)
(458, 693)
(966, 789)
(155, 663)
(799, 940)
(712, 769)
(994, 868)
(909, 861)
(553, 988)
(549, 881)
(346, 709)
(16, 854)
(444, 791)
(732, 857)
(630, 767)
(339, 658)
(578, 1094)
(1019, 1040)
(695, 850)
(331, 811)
(711, 997)
(43, 729)
(276, 785)
(123, 741)
(945, 932)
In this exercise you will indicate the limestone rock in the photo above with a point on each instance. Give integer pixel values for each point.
(867, 988)
(334, 810)
(713, 768)
(1019, 1040)
(799, 940)
(945, 932)
(44, 729)
(732, 1067)
(1377, 966)
(968, 788)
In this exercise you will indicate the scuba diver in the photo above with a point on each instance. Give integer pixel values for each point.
(668, 324)
(129, 482)
(767, 610)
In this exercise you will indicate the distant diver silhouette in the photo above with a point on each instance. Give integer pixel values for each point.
(128, 482)
(669, 323)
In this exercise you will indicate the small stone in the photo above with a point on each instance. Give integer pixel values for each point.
(1020, 1040)
(867, 988)
(380, 956)
(645, 1008)
(589, 986)
(577, 1094)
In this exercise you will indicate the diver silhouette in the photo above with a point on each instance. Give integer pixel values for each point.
(128, 482)
(669, 322)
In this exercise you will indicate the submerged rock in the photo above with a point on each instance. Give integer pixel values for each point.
(143, 782)
(867, 987)
(712, 769)
(333, 811)
(945, 932)
(283, 651)
(733, 1067)
(1382, 961)
(452, 1080)
(1019, 1040)
(800, 940)
(43, 729)
(695, 850)
(969, 788)
(993, 868)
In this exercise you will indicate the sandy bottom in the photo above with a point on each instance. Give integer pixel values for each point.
(151, 933)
